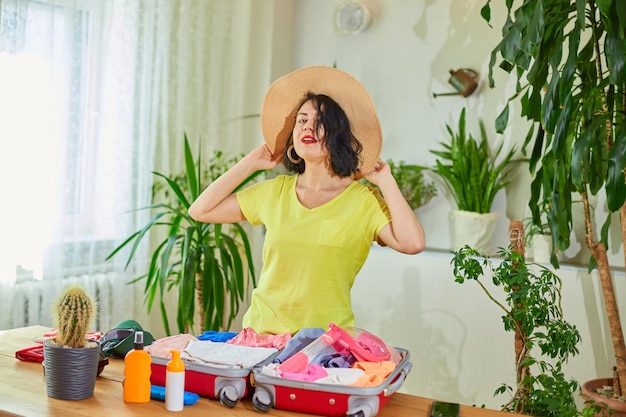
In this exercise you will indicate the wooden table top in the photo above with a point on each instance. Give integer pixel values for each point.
(23, 392)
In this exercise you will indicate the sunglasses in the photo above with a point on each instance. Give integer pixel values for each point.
(117, 335)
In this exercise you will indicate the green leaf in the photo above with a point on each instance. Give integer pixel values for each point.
(175, 188)
(511, 44)
(190, 171)
(485, 12)
(502, 120)
(615, 47)
(615, 184)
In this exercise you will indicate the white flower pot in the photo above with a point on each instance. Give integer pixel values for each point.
(541, 247)
(473, 229)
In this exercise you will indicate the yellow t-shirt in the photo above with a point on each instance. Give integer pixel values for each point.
(310, 256)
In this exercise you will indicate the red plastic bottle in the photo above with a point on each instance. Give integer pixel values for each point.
(137, 373)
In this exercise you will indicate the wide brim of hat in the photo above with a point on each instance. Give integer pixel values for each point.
(278, 111)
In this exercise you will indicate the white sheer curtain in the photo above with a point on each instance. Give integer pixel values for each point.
(94, 96)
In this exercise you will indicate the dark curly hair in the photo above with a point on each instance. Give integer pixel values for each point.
(343, 147)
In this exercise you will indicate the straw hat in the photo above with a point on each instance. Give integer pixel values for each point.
(278, 112)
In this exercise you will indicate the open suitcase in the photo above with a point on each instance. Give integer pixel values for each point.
(330, 400)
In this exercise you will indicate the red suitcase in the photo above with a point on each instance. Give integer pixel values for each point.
(228, 385)
(330, 400)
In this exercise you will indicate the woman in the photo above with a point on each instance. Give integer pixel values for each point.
(322, 124)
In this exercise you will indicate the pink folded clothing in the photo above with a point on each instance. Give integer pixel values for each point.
(248, 337)
(161, 347)
(311, 374)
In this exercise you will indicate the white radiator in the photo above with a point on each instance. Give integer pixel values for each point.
(31, 300)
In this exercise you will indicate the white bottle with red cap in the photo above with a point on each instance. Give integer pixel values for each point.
(175, 383)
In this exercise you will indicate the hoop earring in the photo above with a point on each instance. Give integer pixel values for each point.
(293, 160)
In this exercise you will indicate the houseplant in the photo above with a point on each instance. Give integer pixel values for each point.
(571, 83)
(210, 265)
(415, 187)
(544, 340)
(473, 175)
(537, 233)
(539, 241)
(70, 360)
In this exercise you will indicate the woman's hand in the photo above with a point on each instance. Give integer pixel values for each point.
(261, 158)
(405, 233)
(379, 172)
(217, 203)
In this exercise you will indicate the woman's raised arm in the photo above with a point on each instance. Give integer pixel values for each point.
(217, 203)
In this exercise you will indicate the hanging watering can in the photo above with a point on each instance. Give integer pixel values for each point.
(463, 80)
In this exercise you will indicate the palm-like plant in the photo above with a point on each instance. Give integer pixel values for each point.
(571, 81)
(473, 174)
(210, 265)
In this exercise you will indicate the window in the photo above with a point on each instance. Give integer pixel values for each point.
(90, 91)
(62, 169)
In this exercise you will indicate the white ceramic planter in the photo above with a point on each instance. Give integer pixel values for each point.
(473, 229)
(541, 248)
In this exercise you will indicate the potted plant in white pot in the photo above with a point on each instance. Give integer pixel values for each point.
(210, 265)
(538, 235)
(473, 174)
(71, 361)
(538, 240)
(571, 76)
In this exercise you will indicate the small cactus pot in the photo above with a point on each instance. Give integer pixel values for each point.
(70, 372)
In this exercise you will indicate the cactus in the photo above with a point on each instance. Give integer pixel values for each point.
(73, 312)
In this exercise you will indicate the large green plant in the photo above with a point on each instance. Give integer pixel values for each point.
(471, 171)
(570, 67)
(211, 265)
(544, 339)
